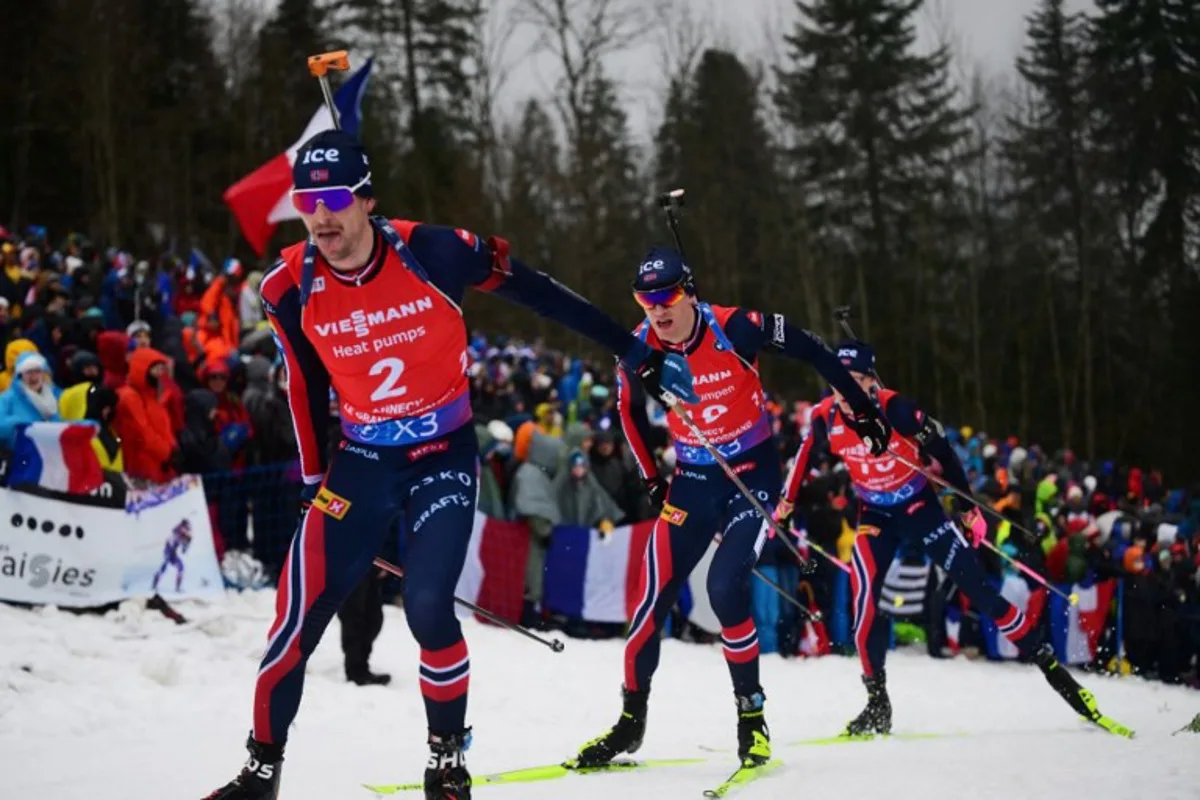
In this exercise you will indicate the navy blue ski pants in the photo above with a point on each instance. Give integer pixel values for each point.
(431, 489)
(702, 502)
(880, 531)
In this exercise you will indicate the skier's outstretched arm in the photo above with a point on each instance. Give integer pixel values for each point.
(909, 420)
(773, 333)
(464, 260)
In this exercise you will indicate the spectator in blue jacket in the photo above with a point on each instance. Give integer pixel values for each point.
(32, 397)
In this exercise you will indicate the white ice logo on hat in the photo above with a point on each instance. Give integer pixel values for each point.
(319, 155)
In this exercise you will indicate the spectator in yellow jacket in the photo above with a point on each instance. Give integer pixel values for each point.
(84, 370)
(15, 349)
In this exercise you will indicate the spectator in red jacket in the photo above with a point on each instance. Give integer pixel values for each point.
(112, 348)
(142, 421)
(170, 393)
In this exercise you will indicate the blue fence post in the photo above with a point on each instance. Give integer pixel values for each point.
(1120, 626)
(766, 607)
(839, 625)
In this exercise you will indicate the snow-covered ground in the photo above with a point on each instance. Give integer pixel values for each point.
(127, 707)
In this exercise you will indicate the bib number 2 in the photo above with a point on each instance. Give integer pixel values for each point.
(389, 387)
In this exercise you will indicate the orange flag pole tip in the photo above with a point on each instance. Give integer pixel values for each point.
(321, 63)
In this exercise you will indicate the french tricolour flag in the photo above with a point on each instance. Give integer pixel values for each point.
(493, 574)
(593, 579)
(56, 455)
(260, 200)
(1075, 630)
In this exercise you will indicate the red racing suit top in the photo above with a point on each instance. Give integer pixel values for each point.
(722, 353)
(884, 480)
(390, 340)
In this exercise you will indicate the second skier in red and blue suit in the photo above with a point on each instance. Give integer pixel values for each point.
(722, 346)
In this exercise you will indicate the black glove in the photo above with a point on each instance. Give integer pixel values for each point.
(808, 566)
(657, 487)
(873, 428)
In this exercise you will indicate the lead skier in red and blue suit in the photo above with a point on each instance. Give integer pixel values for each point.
(371, 308)
(722, 346)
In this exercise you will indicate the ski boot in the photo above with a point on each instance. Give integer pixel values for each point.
(624, 737)
(259, 779)
(446, 776)
(876, 718)
(1081, 701)
(754, 740)
(1077, 697)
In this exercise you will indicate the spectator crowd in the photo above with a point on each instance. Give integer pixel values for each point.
(172, 361)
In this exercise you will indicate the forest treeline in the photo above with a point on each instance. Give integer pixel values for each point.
(1023, 254)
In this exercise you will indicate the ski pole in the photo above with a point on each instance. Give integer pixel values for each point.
(555, 645)
(842, 315)
(815, 617)
(669, 202)
(319, 67)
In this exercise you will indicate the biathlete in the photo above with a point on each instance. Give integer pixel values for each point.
(898, 505)
(722, 346)
(176, 545)
(371, 308)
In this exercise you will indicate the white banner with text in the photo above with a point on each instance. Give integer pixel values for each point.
(61, 553)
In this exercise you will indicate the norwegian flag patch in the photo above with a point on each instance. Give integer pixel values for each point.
(318, 174)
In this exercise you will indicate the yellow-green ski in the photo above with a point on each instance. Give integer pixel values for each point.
(1112, 726)
(742, 776)
(546, 772)
(867, 737)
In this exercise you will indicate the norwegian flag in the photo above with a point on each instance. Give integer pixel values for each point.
(260, 200)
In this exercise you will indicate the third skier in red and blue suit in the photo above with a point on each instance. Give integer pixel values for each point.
(722, 346)
(898, 504)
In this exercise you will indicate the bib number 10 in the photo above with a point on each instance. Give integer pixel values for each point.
(391, 369)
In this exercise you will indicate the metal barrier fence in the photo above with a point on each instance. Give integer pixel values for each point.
(255, 509)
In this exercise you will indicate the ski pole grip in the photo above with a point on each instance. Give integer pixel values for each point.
(671, 198)
(322, 63)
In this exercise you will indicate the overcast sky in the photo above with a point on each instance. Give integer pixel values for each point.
(984, 32)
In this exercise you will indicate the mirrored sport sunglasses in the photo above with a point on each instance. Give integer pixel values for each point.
(661, 297)
(335, 198)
